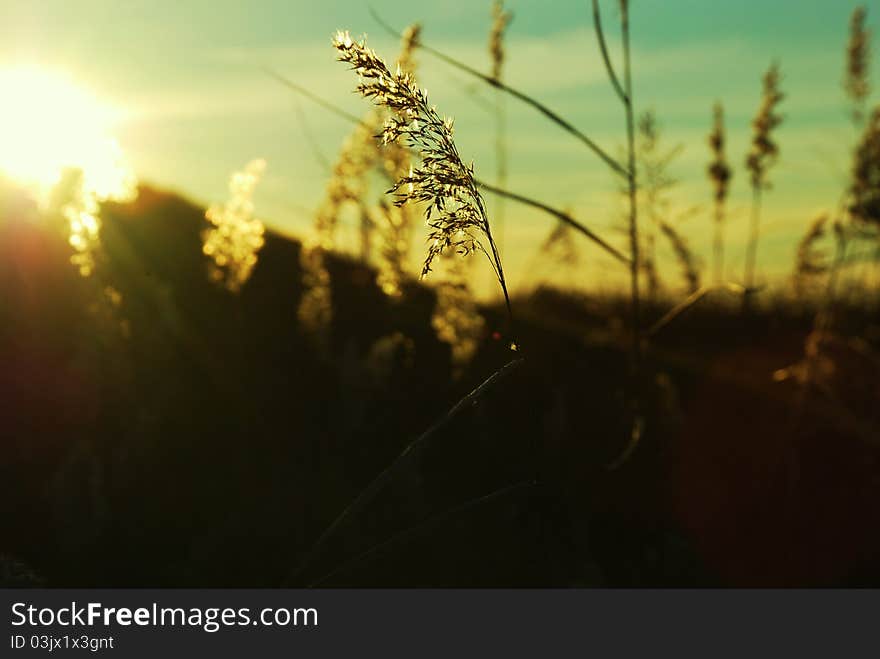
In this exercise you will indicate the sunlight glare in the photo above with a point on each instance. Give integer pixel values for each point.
(49, 124)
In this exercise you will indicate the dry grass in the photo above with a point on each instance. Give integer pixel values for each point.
(856, 81)
(761, 157)
(235, 239)
(720, 175)
(455, 211)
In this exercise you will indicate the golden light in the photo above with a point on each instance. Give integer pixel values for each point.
(49, 124)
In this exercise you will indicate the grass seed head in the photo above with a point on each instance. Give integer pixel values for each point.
(856, 79)
(455, 211)
(719, 171)
(408, 45)
(864, 193)
(765, 151)
(500, 20)
(236, 236)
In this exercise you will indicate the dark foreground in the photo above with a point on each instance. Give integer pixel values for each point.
(191, 437)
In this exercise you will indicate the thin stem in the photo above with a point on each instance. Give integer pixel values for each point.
(499, 270)
(540, 107)
(320, 158)
(690, 301)
(600, 35)
(327, 105)
(366, 495)
(429, 523)
(752, 247)
(636, 356)
(500, 161)
(564, 217)
(824, 319)
(718, 242)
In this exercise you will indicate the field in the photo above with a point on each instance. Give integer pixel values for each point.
(193, 398)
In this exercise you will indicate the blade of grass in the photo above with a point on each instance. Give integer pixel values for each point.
(603, 47)
(429, 523)
(489, 188)
(373, 487)
(564, 217)
(690, 301)
(525, 98)
(327, 105)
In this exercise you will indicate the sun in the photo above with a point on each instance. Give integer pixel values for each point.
(49, 124)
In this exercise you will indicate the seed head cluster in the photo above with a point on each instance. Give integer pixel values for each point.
(80, 210)
(856, 79)
(719, 170)
(395, 221)
(765, 151)
(236, 236)
(408, 45)
(500, 20)
(347, 185)
(455, 212)
(864, 193)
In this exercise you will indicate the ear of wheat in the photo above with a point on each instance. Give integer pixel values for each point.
(455, 211)
(236, 236)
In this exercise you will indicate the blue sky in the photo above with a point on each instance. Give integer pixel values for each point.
(196, 105)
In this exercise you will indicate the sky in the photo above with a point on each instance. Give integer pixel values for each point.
(192, 102)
